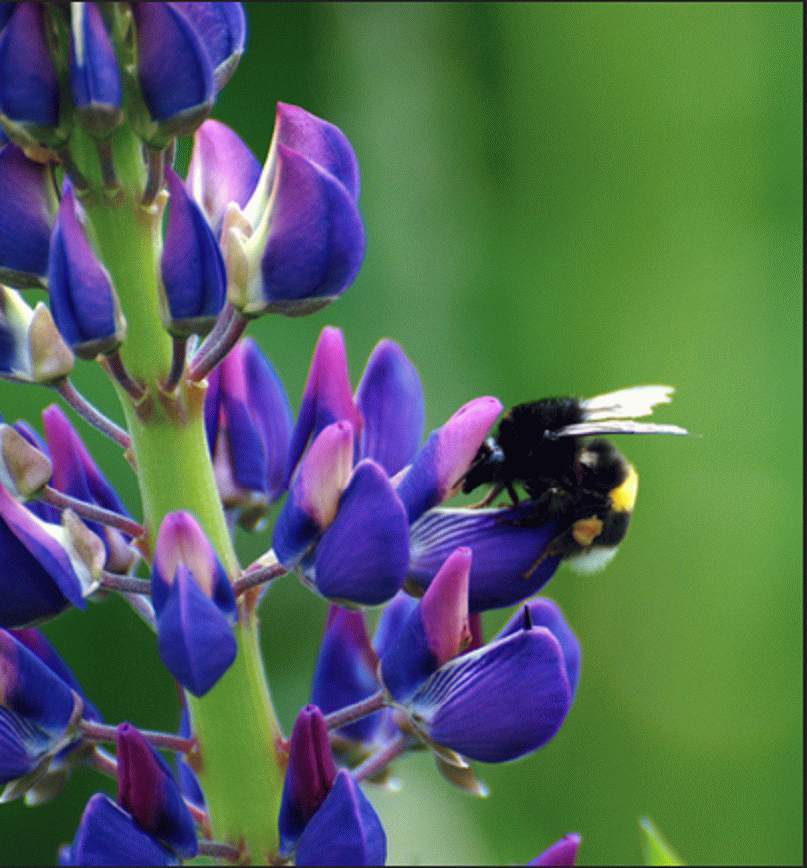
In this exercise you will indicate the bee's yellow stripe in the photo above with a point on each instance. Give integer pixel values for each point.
(624, 496)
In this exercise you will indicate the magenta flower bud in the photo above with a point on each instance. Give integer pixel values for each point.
(28, 203)
(38, 714)
(314, 496)
(194, 603)
(109, 835)
(222, 28)
(435, 632)
(83, 300)
(561, 853)
(344, 831)
(29, 89)
(95, 82)
(249, 423)
(327, 396)
(191, 265)
(48, 567)
(148, 791)
(361, 558)
(31, 348)
(345, 674)
(174, 72)
(299, 242)
(222, 170)
(498, 703)
(310, 775)
(437, 469)
(508, 564)
(390, 401)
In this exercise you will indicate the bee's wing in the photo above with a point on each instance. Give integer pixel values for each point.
(614, 426)
(626, 403)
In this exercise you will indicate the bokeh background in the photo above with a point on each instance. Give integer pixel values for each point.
(559, 199)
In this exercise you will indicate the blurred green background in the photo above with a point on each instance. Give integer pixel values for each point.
(559, 199)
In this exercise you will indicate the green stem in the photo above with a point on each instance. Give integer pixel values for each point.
(240, 761)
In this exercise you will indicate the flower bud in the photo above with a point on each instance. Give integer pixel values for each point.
(83, 300)
(148, 791)
(31, 348)
(192, 269)
(194, 603)
(299, 241)
(28, 203)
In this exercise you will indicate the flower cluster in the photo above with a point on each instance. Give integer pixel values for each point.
(156, 277)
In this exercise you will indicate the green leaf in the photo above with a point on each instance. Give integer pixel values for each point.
(655, 849)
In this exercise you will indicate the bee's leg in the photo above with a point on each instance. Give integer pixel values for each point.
(489, 497)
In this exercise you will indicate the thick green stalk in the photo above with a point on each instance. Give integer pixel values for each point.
(238, 761)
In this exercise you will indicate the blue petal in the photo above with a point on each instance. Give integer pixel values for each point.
(29, 90)
(345, 672)
(222, 29)
(546, 613)
(362, 556)
(26, 206)
(191, 265)
(344, 831)
(82, 298)
(36, 708)
(390, 400)
(108, 835)
(498, 703)
(174, 70)
(94, 79)
(503, 554)
(316, 241)
(195, 639)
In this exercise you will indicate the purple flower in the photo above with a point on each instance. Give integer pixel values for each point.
(95, 82)
(500, 702)
(249, 423)
(29, 89)
(148, 791)
(39, 712)
(344, 831)
(83, 300)
(309, 777)
(28, 203)
(194, 604)
(562, 852)
(436, 630)
(109, 835)
(48, 566)
(192, 268)
(298, 241)
(76, 473)
(343, 525)
(346, 674)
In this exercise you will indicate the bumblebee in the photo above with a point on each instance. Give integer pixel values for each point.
(587, 486)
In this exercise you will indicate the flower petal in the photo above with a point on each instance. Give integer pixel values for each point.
(437, 469)
(503, 571)
(147, 789)
(194, 638)
(390, 401)
(499, 703)
(362, 557)
(108, 835)
(345, 830)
